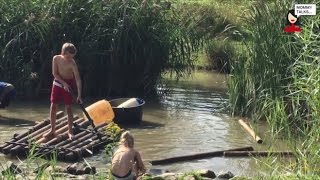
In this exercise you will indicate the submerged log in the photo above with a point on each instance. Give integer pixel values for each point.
(197, 156)
(256, 153)
(250, 131)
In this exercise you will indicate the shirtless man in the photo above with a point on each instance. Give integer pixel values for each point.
(126, 160)
(66, 75)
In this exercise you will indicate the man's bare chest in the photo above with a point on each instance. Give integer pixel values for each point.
(64, 67)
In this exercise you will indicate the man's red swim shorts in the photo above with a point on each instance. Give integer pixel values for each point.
(58, 93)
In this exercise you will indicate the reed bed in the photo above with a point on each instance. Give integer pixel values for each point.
(276, 78)
(124, 46)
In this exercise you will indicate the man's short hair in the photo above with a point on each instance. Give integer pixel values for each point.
(68, 47)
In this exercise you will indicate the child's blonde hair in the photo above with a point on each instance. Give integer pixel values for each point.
(127, 139)
(68, 47)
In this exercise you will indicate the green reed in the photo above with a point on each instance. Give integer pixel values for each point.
(124, 46)
(276, 78)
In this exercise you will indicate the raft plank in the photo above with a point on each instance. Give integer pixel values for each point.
(66, 149)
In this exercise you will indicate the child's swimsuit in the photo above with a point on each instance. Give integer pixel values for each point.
(128, 176)
(58, 93)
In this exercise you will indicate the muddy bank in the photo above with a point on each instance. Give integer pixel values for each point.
(84, 170)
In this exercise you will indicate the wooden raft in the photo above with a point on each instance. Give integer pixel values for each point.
(85, 142)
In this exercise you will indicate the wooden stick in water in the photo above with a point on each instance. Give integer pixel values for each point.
(250, 131)
(197, 156)
(256, 153)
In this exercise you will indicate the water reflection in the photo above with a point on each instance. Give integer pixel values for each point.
(190, 119)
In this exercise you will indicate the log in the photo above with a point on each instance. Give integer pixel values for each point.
(67, 140)
(90, 170)
(197, 156)
(95, 145)
(73, 169)
(88, 138)
(35, 136)
(100, 144)
(81, 143)
(6, 150)
(61, 129)
(250, 131)
(256, 153)
(64, 144)
(58, 126)
(44, 147)
(87, 135)
(32, 129)
(82, 151)
(64, 137)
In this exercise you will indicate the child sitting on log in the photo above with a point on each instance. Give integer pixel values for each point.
(126, 160)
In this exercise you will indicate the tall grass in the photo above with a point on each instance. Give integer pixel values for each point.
(276, 78)
(124, 46)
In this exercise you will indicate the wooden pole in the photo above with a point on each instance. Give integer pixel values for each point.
(250, 131)
(256, 153)
(197, 156)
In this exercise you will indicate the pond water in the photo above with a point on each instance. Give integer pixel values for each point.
(190, 119)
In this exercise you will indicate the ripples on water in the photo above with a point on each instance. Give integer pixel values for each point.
(189, 119)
